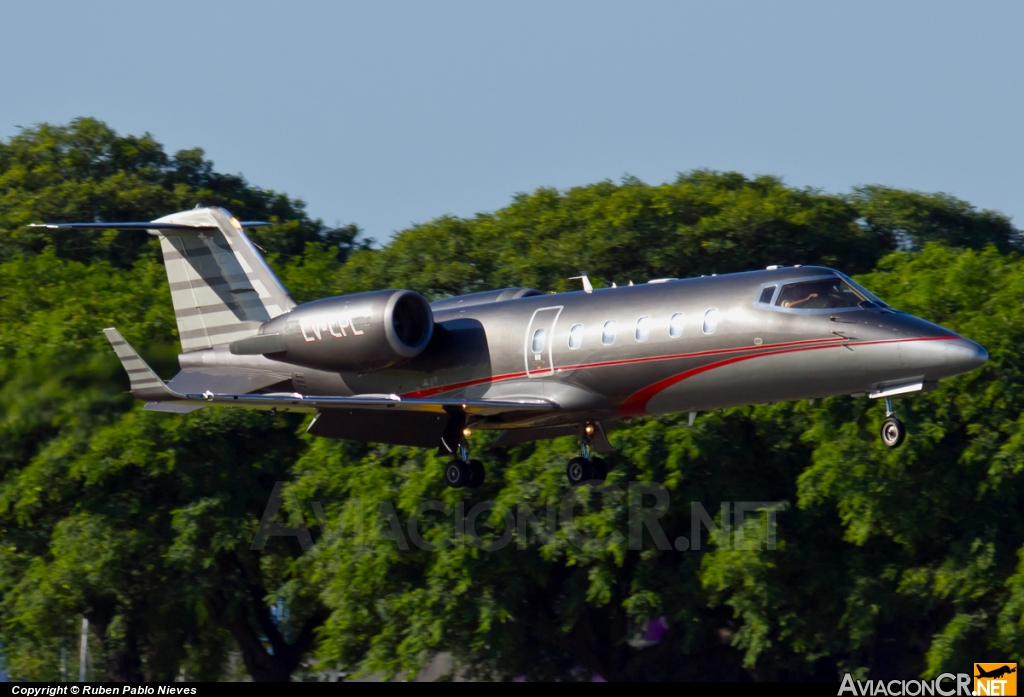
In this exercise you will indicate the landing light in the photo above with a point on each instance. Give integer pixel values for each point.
(467, 432)
(589, 429)
(235, 224)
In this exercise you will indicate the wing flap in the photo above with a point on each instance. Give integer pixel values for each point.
(298, 402)
(418, 429)
(172, 407)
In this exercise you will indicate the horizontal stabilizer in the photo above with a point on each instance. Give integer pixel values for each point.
(222, 289)
(138, 226)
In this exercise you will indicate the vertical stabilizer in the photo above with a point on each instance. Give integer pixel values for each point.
(221, 287)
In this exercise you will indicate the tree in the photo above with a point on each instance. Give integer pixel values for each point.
(101, 503)
(86, 171)
(98, 501)
(702, 223)
(889, 563)
(143, 522)
(911, 219)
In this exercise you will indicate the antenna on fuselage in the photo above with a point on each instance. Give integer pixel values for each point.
(588, 287)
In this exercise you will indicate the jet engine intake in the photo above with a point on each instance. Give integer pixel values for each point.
(346, 333)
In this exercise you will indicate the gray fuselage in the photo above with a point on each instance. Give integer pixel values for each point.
(677, 346)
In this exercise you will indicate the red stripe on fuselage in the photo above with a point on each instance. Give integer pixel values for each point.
(636, 403)
(434, 391)
(765, 350)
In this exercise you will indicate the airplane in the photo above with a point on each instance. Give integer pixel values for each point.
(387, 366)
(995, 672)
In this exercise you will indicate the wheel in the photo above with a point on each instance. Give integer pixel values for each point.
(579, 470)
(457, 474)
(600, 468)
(476, 474)
(893, 432)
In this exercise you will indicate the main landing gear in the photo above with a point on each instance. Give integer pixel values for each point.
(586, 467)
(463, 472)
(893, 431)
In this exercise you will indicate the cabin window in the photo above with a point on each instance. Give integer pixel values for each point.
(608, 333)
(643, 329)
(819, 294)
(711, 321)
(538, 341)
(675, 325)
(766, 295)
(576, 336)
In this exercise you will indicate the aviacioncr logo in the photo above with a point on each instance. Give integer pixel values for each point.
(995, 679)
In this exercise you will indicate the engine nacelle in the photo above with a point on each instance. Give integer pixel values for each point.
(347, 333)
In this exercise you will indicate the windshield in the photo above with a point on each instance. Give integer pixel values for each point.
(865, 292)
(820, 294)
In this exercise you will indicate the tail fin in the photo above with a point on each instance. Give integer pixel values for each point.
(221, 287)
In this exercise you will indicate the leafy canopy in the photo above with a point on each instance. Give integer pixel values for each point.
(888, 563)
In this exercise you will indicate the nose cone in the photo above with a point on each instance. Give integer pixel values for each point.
(964, 355)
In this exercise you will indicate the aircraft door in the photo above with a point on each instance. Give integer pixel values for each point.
(539, 342)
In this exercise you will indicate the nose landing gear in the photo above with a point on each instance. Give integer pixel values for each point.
(586, 467)
(893, 431)
(463, 472)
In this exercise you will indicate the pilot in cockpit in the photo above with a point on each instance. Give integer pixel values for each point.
(818, 294)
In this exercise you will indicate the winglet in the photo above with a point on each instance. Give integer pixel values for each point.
(145, 383)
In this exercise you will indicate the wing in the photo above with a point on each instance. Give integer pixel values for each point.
(146, 385)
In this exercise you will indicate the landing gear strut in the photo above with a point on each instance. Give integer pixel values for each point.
(463, 472)
(586, 467)
(893, 431)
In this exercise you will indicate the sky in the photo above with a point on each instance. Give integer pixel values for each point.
(390, 113)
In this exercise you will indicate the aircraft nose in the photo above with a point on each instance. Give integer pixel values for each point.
(964, 355)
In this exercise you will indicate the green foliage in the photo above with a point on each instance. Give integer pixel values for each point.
(702, 223)
(85, 171)
(106, 511)
(911, 219)
(888, 563)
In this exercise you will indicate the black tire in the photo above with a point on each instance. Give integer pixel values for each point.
(893, 432)
(457, 474)
(476, 474)
(579, 470)
(600, 468)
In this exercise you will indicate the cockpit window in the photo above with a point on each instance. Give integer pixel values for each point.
(766, 295)
(819, 294)
(865, 292)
